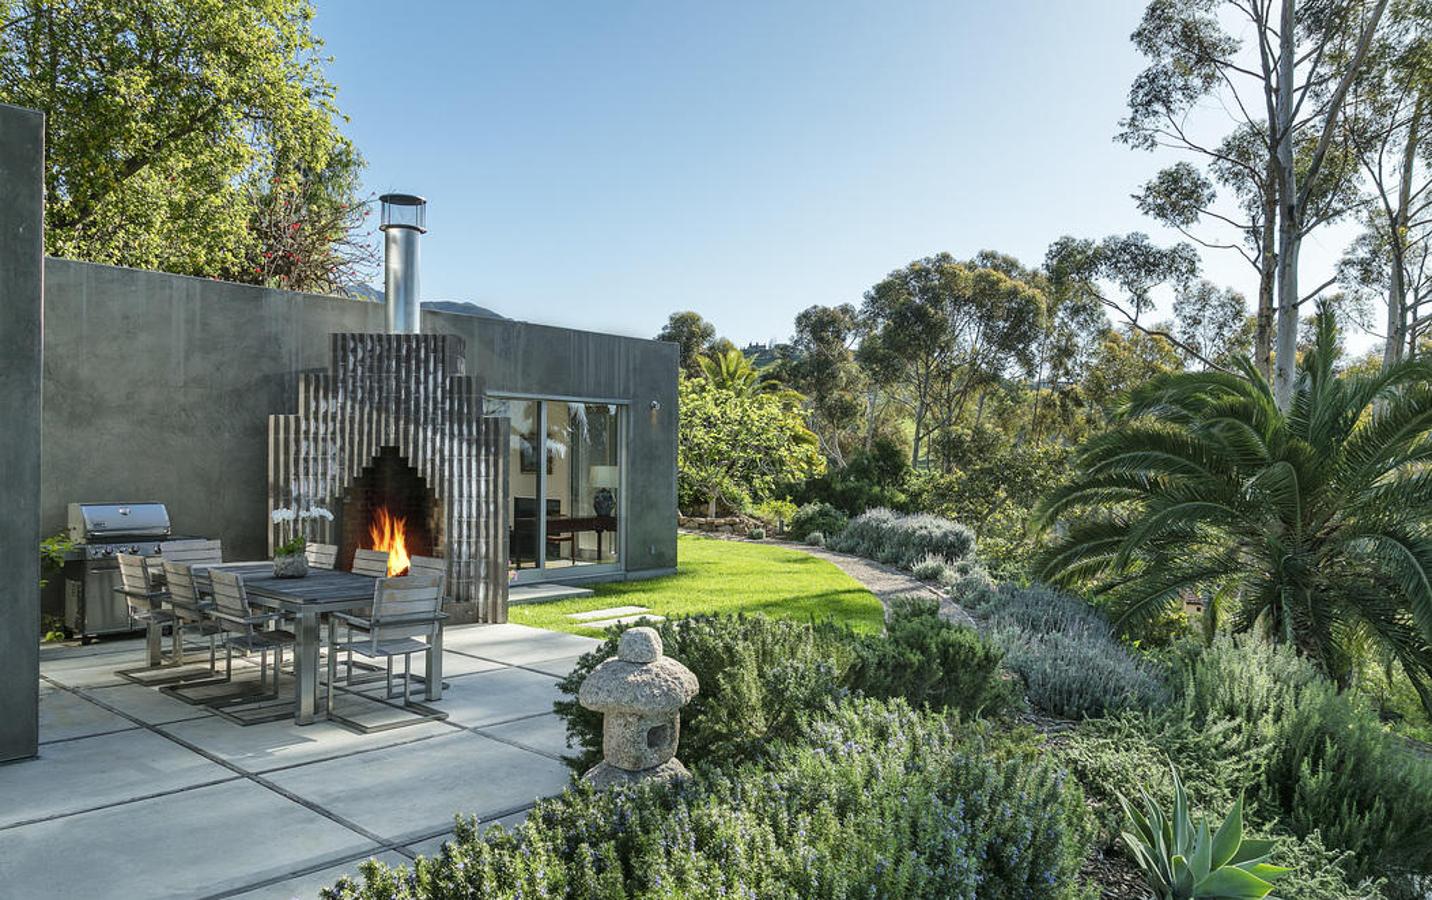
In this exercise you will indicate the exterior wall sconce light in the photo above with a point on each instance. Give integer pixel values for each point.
(655, 405)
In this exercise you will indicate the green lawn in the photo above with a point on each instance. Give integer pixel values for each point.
(726, 576)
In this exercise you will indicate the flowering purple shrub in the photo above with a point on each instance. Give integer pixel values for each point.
(874, 800)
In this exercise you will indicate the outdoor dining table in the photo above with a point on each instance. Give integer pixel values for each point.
(320, 592)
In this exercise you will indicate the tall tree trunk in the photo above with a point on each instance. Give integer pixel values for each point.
(1397, 285)
(871, 399)
(1292, 205)
(1267, 277)
(1285, 362)
(919, 424)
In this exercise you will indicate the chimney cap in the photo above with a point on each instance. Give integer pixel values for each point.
(404, 211)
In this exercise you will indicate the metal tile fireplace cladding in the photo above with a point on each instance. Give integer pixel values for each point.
(396, 425)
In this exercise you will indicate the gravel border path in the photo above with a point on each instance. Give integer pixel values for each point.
(881, 580)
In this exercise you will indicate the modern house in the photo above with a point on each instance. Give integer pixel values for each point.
(520, 453)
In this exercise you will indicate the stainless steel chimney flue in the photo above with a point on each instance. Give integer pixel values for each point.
(404, 220)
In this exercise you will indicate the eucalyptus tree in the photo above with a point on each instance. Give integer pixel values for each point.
(1390, 141)
(1311, 521)
(692, 334)
(938, 329)
(1120, 273)
(1212, 322)
(1283, 70)
(820, 363)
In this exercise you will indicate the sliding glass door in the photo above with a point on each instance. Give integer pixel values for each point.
(565, 486)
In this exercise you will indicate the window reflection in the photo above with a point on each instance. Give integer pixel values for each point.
(564, 483)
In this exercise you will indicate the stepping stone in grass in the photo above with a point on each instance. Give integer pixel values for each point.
(611, 613)
(624, 620)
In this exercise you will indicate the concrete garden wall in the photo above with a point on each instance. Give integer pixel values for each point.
(160, 387)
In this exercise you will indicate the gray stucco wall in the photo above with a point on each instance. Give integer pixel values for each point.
(22, 154)
(160, 387)
(522, 358)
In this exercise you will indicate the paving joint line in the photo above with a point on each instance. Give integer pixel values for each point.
(401, 847)
(398, 846)
(524, 667)
(125, 802)
(80, 737)
(220, 761)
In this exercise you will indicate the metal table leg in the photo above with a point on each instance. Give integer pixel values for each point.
(305, 665)
(152, 637)
(434, 671)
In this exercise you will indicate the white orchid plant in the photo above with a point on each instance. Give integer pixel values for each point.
(293, 521)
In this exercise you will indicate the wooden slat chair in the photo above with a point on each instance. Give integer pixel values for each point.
(146, 606)
(324, 556)
(195, 613)
(430, 567)
(244, 630)
(189, 608)
(373, 563)
(197, 552)
(407, 619)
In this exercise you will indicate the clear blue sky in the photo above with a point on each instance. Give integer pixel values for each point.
(599, 165)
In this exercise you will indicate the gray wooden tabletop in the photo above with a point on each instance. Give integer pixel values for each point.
(324, 588)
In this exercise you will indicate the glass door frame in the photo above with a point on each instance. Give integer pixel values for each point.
(541, 574)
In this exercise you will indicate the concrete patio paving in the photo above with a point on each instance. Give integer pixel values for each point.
(136, 794)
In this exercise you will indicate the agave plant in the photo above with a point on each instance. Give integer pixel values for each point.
(1182, 860)
(1311, 522)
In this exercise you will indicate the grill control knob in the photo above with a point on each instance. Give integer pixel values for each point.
(108, 551)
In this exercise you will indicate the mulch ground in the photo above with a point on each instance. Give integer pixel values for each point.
(1116, 877)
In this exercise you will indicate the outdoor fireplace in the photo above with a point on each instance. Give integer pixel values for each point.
(389, 507)
(392, 440)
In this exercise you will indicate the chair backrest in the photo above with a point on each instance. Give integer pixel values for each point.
(373, 563)
(412, 599)
(183, 595)
(192, 552)
(139, 591)
(322, 556)
(430, 567)
(231, 601)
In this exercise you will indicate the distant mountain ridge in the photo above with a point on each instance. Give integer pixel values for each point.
(370, 294)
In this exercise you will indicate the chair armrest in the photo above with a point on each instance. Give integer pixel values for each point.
(350, 619)
(418, 619)
(152, 595)
(259, 619)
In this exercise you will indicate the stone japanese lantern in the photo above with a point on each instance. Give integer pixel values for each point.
(640, 694)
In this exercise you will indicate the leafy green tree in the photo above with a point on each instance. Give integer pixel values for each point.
(737, 447)
(1389, 127)
(1085, 270)
(732, 370)
(693, 334)
(1284, 73)
(939, 329)
(1126, 358)
(1312, 522)
(167, 123)
(820, 363)
(1212, 322)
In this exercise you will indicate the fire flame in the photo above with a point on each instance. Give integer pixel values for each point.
(389, 532)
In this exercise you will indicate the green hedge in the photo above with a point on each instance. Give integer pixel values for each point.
(760, 678)
(875, 800)
(1257, 719)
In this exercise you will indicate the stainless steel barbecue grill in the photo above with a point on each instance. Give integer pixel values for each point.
(100, 531)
